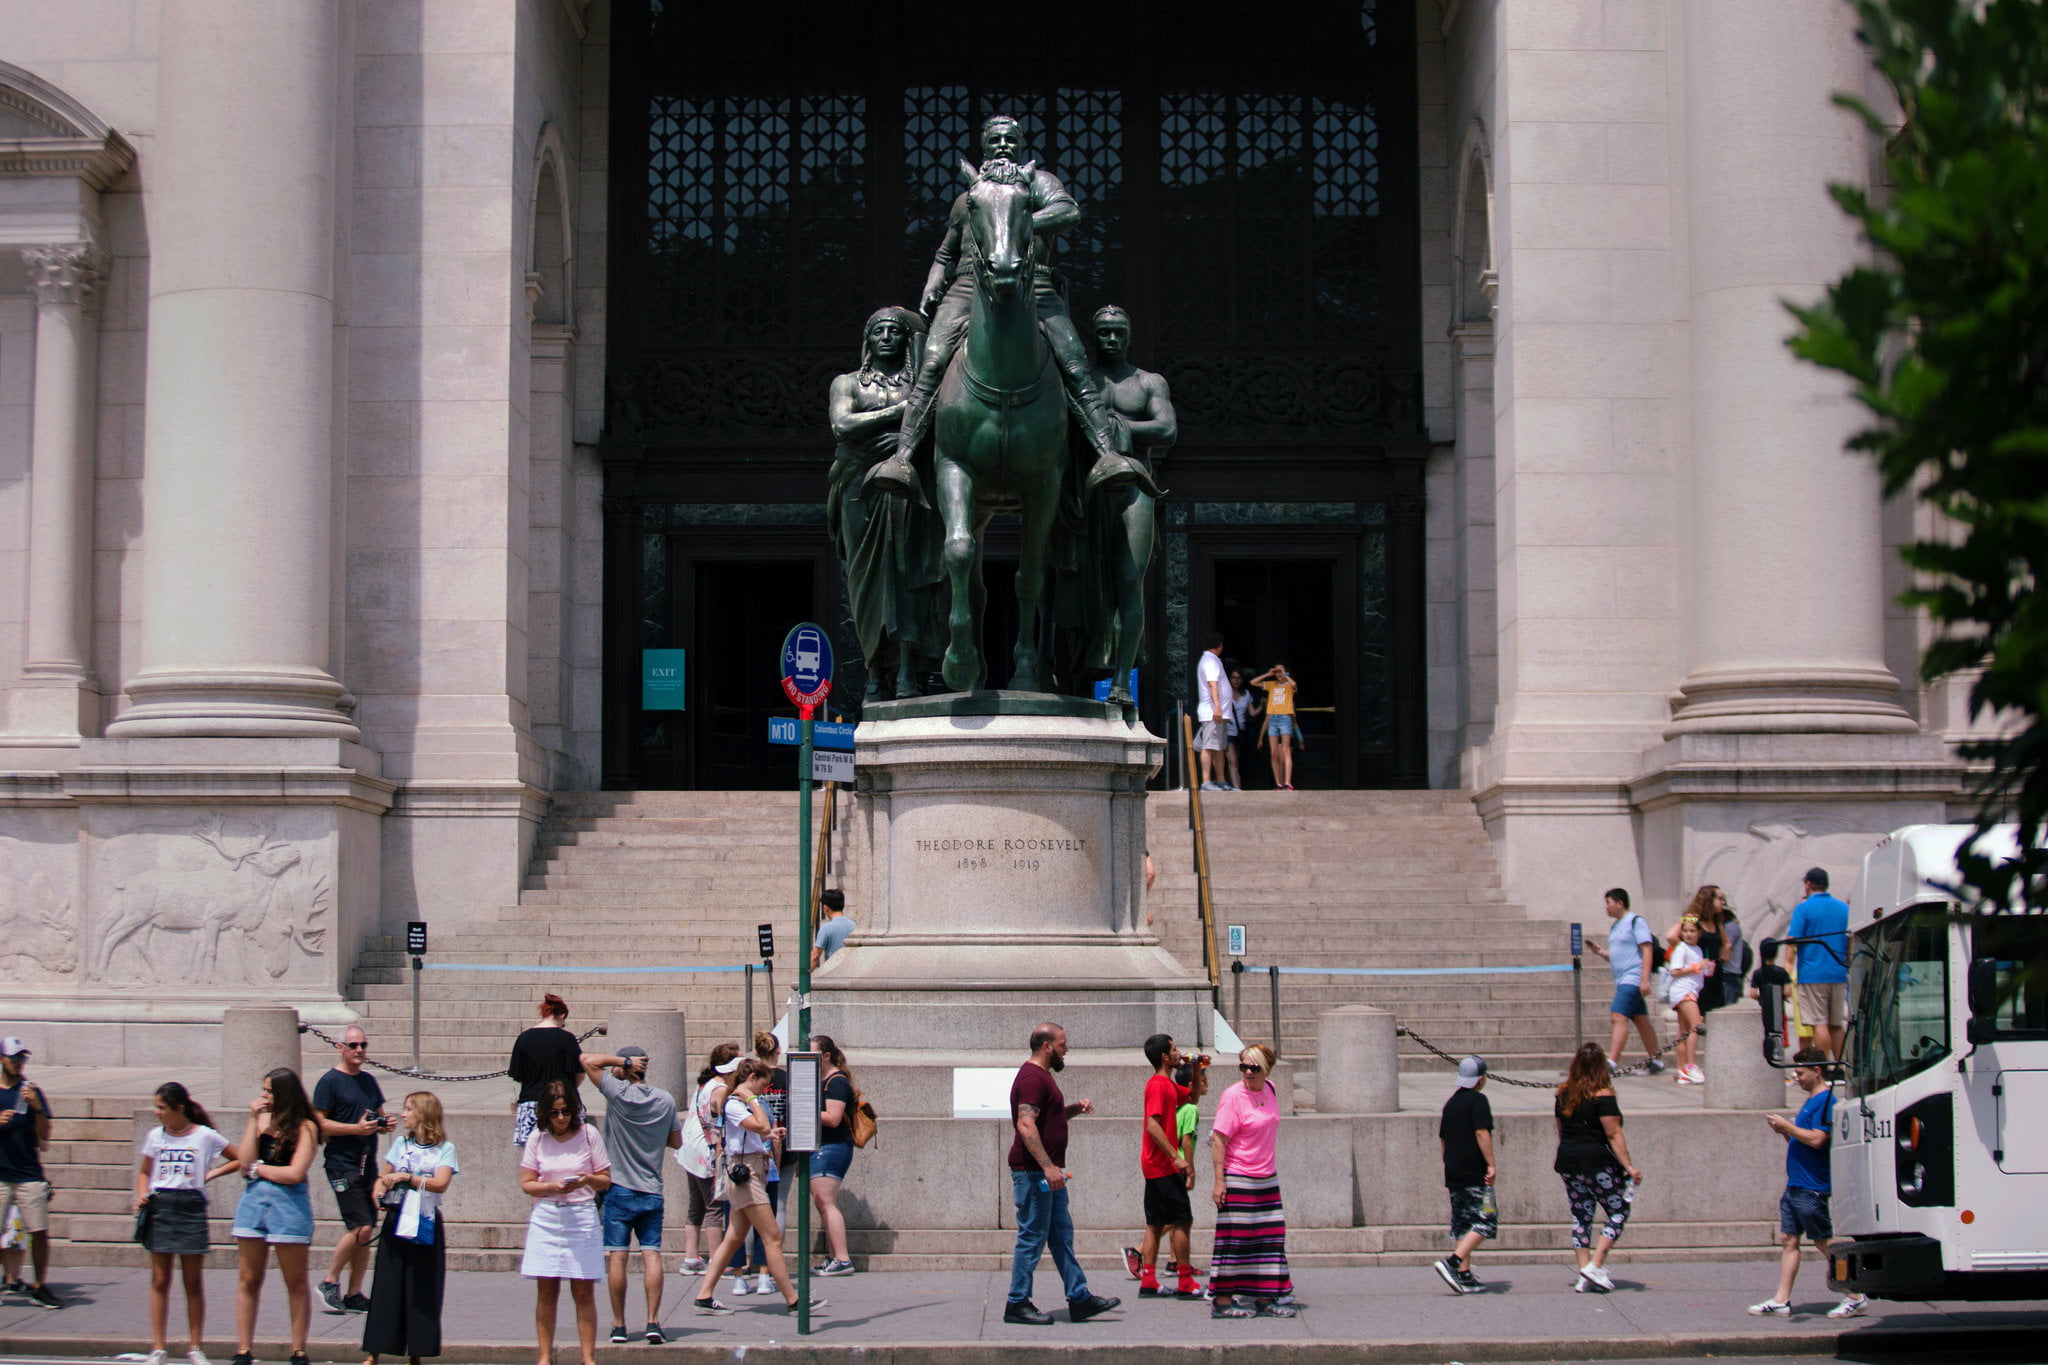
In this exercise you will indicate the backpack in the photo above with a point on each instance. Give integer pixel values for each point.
(1657, 953)
(863, 1120)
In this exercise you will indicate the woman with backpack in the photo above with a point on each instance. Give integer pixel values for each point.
(834, 1156)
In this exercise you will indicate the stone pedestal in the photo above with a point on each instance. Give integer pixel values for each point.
(1004, 845)
(1358, 1063)
(660, 1033)
(1738, 1077)
(255, 1040)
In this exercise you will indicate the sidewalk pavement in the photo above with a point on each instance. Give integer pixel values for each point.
(1658, 1309)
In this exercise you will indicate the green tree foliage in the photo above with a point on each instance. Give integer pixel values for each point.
(1946, 339)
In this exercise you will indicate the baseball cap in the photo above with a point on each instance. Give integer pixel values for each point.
(727, 1069)
(631, 1051)
(1818, 876)
(1471, 1071)
(13, 1047)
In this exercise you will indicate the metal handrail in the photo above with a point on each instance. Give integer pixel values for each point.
(1211, 959)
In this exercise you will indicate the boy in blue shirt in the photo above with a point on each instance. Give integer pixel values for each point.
(1804, 1207)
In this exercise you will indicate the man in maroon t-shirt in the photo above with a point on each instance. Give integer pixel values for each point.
(1039, 1113)
(1167, 1210)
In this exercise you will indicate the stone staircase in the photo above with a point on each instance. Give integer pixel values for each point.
(1402, 879)
(618, 879)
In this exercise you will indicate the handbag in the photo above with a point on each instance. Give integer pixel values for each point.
(414, 1223)
(144, 1216)
(863, 1120)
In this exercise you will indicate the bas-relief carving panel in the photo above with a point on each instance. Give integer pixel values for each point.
(222, 898)
(1760, 864)
(38, 901)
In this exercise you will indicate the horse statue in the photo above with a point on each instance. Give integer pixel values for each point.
(1001, 430)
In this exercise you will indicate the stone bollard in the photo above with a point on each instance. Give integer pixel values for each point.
(1733, 1058)
(255, 1040)
(1358, 1066)
(661, 1033)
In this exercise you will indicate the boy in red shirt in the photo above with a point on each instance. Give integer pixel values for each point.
(1165, 1169)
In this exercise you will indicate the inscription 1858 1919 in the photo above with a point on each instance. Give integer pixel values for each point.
(1023, 854)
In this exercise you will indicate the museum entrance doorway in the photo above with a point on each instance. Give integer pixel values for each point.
(1284, 611)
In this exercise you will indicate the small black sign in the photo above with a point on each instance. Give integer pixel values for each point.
(766, 932)
(416, 936)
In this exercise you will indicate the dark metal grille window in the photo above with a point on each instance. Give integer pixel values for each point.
(799, 165)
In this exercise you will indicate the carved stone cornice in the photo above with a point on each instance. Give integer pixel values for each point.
(71, 140)
(64, 273)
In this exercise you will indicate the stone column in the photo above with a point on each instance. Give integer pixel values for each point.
(238, 485)
(61, 699)
(1787, 573)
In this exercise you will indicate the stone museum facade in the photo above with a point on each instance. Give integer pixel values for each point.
(380, 378)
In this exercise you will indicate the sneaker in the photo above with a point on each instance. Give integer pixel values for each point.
(833, 1268)
(244, 1358)
(300, 1358)
(1133, 1267)
(619, 1336)
(1214, 787)
(1851, 1307)
(43, 1298)
(1287, 1299)
(1770, 1308)
(1655, 1067)
(197, 1358)
(1469, 1282)
(356, 1303)
(740, 1287)
(654, 1336)
(1694, 1074)
(1598, 1276)
(1448, 1273)
(14, 1287)
(764, 1283)
(692, 1265)
(330, 1296)
(1685, 1077)
(816, 1304)
(710, 1308)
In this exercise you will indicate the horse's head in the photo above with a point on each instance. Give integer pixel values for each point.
(999, 215)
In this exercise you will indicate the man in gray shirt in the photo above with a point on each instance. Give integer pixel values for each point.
(640, 1124)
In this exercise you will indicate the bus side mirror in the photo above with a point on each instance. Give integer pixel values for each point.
(1983, 996)
(1773, 996)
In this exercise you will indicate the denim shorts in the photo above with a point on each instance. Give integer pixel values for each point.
(629, 1214)
(1276, 726)
(1804, 1211)
(279, 1214)
(1628, 1002)
(832, 1161)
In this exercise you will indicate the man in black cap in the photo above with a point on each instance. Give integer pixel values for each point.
(640, 1127)
(24, 1133)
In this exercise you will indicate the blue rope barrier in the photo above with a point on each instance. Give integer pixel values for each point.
(1410, 971)
(566, 971)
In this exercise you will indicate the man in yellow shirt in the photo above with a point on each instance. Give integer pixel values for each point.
(1280, 732)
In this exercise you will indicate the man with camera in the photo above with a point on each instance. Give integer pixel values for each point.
(350, 1107)
(641, 1125)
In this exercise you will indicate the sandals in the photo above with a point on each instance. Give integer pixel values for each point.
(1231, 1310)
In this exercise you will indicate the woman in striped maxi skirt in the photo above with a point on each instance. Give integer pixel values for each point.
(1250, 1259)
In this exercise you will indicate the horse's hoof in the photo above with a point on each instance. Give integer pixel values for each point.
(962, 671)
(1120, 696)
(1027, 680)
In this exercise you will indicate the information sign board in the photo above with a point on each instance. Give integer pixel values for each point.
(661, 679)
(831, 765)
(1236, 948)
(806, 1098)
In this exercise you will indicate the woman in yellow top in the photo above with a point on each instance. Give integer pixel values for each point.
(1279, 735)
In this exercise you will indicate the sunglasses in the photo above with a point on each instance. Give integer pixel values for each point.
(559, 1110)
(357, 1046)
(1249, 1067)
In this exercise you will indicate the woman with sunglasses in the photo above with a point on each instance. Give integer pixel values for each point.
(563, 1169)
(1250, 1258)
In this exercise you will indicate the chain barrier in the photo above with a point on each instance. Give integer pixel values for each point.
(1403, 1031)
(422, 1074)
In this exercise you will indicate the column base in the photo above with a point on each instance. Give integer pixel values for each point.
(1790, 701)
(283, 703)
(54, 707)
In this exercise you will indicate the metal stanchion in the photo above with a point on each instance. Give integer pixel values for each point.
(1273, 977)
(747, 1044)
(1578, 985)
(1237, 997)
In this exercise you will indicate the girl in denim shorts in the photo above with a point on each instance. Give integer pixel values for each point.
(276, 1209)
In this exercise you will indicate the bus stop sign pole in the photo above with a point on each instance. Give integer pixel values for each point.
(806, 680)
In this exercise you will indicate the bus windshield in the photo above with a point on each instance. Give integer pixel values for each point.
(1898, 989)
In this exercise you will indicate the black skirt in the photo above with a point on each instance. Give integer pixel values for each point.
(405, 1299)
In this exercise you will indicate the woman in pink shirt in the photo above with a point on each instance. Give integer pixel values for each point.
(564, 1167)
(1250, 1258)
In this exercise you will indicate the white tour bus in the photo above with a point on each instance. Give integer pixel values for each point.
(1941, 1132)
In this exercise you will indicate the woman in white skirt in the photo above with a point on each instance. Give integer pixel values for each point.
(564, 1167)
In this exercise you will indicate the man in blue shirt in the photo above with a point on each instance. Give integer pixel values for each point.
(1823, 966)
(834, 932)
(1804, 1206)
(1629, 951)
